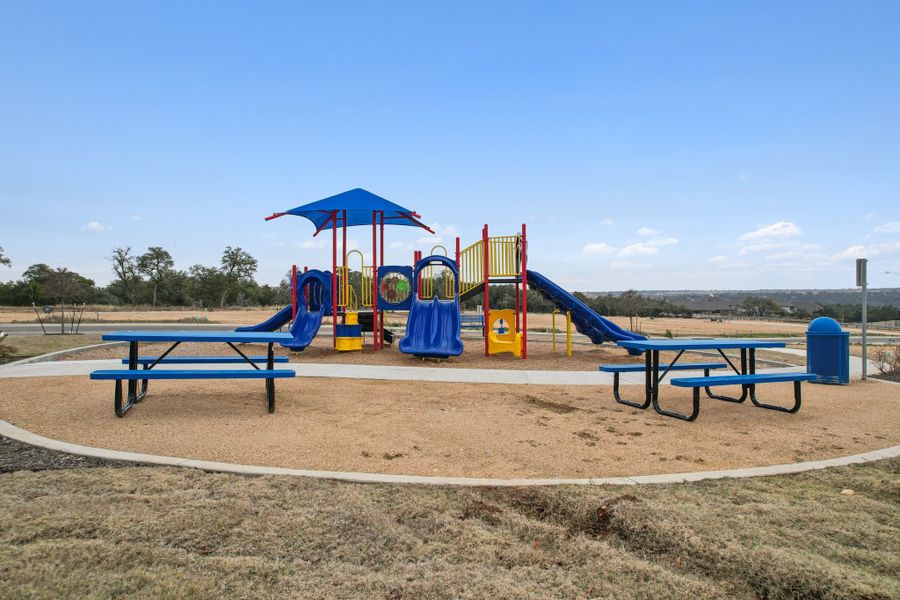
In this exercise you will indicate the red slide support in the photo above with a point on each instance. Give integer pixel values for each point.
(487, 290)
(375, 329)
(334, 283)
(375, 276)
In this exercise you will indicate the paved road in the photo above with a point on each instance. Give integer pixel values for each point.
(35, 329)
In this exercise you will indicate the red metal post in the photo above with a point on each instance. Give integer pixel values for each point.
(293, 292)
(487, 290)
(524, 294)
(381, 264)
(457, 252)
(344, 246)
(417, 256)
(381, 235)
(374, 281)
(334, 279)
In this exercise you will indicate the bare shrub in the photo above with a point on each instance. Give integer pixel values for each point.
(887, 359)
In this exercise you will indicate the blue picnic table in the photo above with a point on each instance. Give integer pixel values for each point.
(745, 375)
(143, 368)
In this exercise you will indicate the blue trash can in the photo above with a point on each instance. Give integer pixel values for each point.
(827, 351)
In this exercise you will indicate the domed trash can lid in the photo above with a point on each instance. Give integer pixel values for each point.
(824, 326)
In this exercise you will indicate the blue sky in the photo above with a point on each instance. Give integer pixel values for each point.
(675, 145)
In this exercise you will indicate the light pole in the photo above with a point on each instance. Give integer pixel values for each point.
(862, 280)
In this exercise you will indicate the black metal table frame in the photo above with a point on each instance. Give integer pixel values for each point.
(652, 380)
(134, 396)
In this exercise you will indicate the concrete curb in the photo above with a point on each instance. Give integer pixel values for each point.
(22, 435)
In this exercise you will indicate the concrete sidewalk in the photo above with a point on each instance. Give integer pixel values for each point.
(392, 373)
(398, 373)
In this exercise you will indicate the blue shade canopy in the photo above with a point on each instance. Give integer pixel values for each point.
(359, 205)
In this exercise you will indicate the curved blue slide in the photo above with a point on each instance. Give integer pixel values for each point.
(586, 320)
(433, 327)
(279, 320)
(308, 321)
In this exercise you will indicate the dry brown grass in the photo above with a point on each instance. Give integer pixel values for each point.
(161, 532)
(249, 316)
(16, 347)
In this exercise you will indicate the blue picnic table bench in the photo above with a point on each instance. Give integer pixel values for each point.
(745, 376)
(143, 368)
(472, 322)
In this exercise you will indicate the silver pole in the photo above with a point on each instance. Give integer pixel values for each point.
(862, 281)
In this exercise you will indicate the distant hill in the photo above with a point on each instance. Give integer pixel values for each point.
(877, 296)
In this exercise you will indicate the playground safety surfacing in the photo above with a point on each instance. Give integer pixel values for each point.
(454, 429)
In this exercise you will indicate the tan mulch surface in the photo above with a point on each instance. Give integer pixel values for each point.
(454, 429)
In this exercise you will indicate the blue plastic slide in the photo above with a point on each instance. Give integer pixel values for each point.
(308, 320)
(433, 327)
(279, 320)
(586, 320)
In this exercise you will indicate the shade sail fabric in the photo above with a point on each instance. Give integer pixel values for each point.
(359, 204)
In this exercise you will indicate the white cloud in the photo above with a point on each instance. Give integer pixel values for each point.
(638, 249)
(781, 229)
(869, 216)
(313, 243)
(857, 251)
(892, 227)
(398, 245)
(804, 252)
(860, 251)
(621, 265)
(352, 244)
(669, 241)
(444, 231)
(598, 248)
(649, 247)
(648, 231)
(607, 222)
(137, 218)
(718, 260)
(96, 227)
(763, 246)
(433, 240)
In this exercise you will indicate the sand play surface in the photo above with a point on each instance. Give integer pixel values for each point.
(449, 429)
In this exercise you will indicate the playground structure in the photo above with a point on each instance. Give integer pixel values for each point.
(430, 289)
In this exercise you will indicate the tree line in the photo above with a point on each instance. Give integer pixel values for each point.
(148, 278)
(845, 313)
(151, 279)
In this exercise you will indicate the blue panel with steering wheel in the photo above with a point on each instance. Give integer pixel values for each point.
(395, 287)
